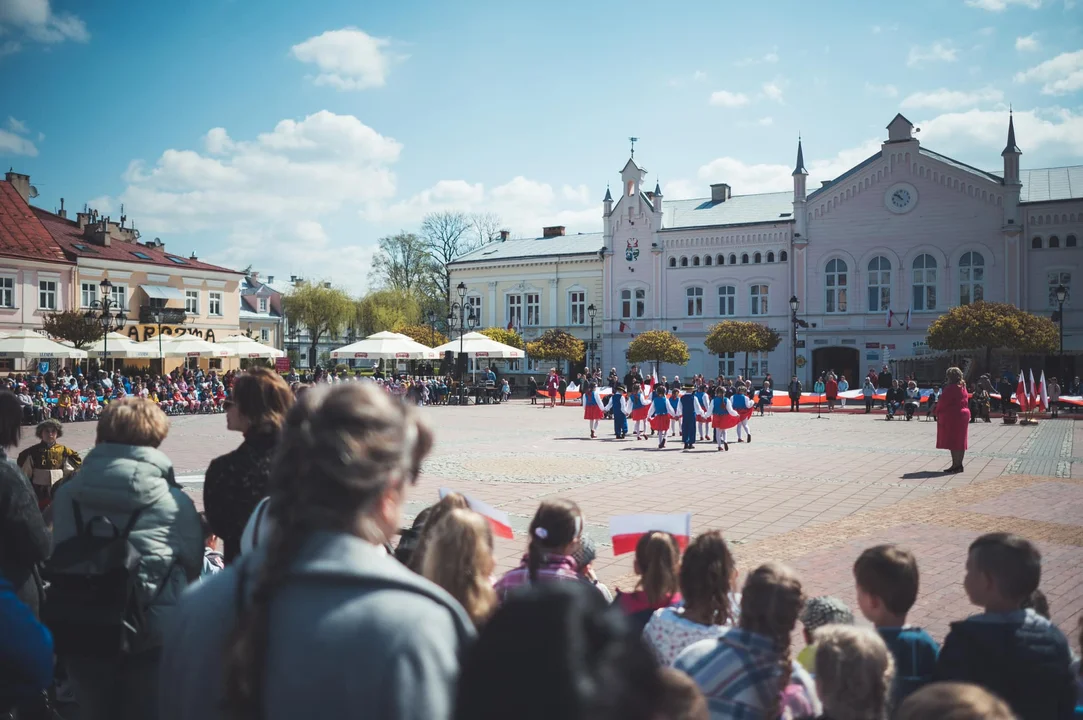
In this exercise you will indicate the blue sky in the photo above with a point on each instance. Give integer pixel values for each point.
(293, 135)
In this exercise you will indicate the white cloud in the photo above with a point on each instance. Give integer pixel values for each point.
(12, 140)
(766, 121)
(767, 59)
(1059, 76)
(580, 194)
(1002, 5)
(987, 31)
(1051, 135)
(35, 20)
(217, 141)
(725, 98)
(697, 77)
(773, 91)
(944, 99)
(941, 51)
(17, 126)
(887, 91)
(876, 29)
(1027, 44)
(348, 59)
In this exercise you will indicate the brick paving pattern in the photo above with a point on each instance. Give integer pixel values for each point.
(812, 493)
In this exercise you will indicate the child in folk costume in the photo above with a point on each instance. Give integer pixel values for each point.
(723, 417)
(703, 420)
(621, 406)
(743, 406)
(640, 408)
(674, 410)
(660, 414)
(592, 406)
(690, 411)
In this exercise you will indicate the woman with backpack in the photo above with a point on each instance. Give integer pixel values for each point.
(124, 494)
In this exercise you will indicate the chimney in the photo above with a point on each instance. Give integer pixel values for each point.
(327, 285)
(504, 234)
(553, 231)
(193, 256)
(270, 279)
(62, 212)
(97, 231)
(720, 192)
(21, 183)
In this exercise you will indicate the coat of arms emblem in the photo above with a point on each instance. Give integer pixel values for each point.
(631, 252)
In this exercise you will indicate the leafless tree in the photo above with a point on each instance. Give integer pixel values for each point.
(487, 227)
(446, 235)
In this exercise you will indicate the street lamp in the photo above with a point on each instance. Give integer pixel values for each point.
(1062, 294)
(156, 316)
(106, 314)
(591, 312)
(794, 322)
(432, 327)
(458, 316)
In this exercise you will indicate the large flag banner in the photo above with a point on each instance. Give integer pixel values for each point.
(498, 519)
(1021, 393)
(1034, 398)
(625, 530)
(1043, 394)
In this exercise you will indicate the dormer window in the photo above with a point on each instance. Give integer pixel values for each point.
(631, 189)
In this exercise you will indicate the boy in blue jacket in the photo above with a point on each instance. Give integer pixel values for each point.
(26, 651)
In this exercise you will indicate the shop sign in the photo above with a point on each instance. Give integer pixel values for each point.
(142, 333)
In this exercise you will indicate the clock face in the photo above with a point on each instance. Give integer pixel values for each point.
(901, 198)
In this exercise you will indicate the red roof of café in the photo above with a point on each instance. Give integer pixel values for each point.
(22, 234)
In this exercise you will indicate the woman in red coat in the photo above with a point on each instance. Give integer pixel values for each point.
(953, 418)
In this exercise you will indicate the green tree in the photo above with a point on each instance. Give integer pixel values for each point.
(71, 325)
(403, 263)
(988, 326)
(503, 335)
(319, 308)
(385, 309)
(424, 334)
(658, 346)
(734, 336)
(557, 345)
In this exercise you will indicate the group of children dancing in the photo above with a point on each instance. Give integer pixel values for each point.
(704, 414)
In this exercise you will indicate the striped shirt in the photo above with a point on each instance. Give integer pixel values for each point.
(552, 568)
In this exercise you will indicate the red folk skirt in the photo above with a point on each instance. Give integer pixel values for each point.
(661, 422)
(640, 413)
(593, 412)
(725, 422)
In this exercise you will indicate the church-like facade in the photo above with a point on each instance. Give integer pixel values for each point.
(872, 257)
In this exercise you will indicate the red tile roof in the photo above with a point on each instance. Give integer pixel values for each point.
(70, 237)
(21, 233)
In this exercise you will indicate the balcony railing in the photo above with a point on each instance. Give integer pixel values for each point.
(167, 316)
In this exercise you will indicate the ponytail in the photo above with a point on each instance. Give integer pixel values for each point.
(556, 524)
(658, 557)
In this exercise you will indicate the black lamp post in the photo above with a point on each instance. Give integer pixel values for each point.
(432, 327)
(156, 316)
(106, 314)
(459, 317)
(794, 304)
(1061, 294)
(592, 312)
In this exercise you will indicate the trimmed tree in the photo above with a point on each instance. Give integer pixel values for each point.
(423, 334)
(71, 325)
(557, 345)
(734, 336)
(987, 326)
(658, 346)
(503, 335)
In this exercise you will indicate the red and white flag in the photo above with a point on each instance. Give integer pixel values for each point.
(1043, 394)
(625, 530)
(908, 311)
(888, 318)
(623, 326)
(498, 519)
(1034, 397)
(1021, 393)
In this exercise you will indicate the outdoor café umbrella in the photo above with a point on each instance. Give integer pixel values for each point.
(122, 346)
(386, 346)
(246, 347)
(474, 344)
(187, 346)
(29, 344)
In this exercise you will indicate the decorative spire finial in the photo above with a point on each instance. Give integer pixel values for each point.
(633, 140)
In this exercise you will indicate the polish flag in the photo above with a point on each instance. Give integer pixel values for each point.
(888, 318)
(623, 327)
(1021, 393)
(1035, 399)
(908, 311)
(498, 519)
(1043, 395)
(625, 530)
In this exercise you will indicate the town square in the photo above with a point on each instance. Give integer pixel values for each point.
(471, 361)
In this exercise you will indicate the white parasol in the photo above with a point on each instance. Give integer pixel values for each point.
(385, 346)
(187, 346)
(29, 344)
(474, 344)
(246, 347)
(120, 346)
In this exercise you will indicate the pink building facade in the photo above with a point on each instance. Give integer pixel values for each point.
(906, 234)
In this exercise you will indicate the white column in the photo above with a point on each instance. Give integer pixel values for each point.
(492, 304)
(552, 314)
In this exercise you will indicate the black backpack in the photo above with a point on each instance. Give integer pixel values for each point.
(92, 601)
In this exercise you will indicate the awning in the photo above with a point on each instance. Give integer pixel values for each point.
(162, 292)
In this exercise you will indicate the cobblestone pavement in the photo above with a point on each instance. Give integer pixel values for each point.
(813, 493)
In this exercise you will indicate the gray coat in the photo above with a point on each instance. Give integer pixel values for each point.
(353, 634)
(116, 480)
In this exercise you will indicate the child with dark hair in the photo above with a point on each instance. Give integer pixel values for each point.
(555, 650)
(887, 587)
(1011, 651)
(554, 538)
(681, 698)
(707, 578)
(657, 562)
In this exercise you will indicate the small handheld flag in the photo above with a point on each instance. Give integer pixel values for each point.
(625, 530)
(498, 519)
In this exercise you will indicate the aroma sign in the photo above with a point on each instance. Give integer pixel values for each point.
(142, 333)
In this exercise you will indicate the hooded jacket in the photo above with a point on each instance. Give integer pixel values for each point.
(1020, 656)
(115, 481)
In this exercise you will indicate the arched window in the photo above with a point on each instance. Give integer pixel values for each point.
(835, 284)
(783, 256)
(744, 258)
(924, 283)
(770, 257)
(758, 295)
(684, 262)
(1070, 241)
(727, 300)
(1036, 243)
(695, 261)
(1054, 241)
(673, 262)
(733, 259)
(879, 284)
(757, 258)
(971, 278)
(721, 259)
(707, 259)
(695, 301)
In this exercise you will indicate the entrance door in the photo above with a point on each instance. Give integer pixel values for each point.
(842, 360)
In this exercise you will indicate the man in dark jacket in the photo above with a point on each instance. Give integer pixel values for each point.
(1005, 390)
(883, 381)
(632, 377)
(794, 390)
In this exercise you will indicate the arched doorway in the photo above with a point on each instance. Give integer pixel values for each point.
(843, 360)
